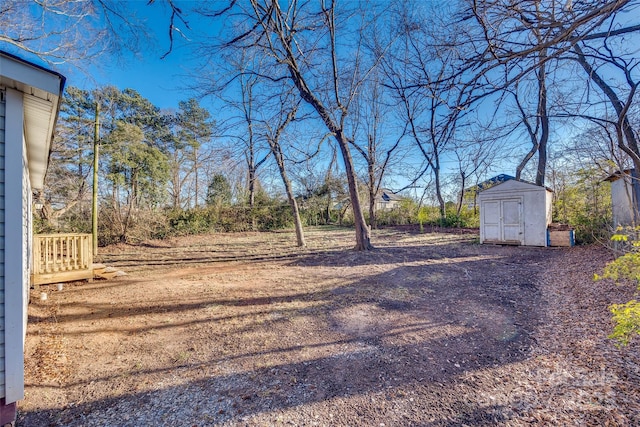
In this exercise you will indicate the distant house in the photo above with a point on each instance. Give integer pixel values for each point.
(515, 212)
(29, 101)
(625, 197)
(387, 200)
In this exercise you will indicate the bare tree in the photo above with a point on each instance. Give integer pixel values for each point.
(430, 97)
(275, 127)
(195, 130)
(473, 158)
(625, 135)
(524, 38)
(383, 137)
(250, 141)
(60, 31)
(317, 46)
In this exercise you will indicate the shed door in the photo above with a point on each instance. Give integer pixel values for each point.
(502, 220)
(491, 220)
(511, 221)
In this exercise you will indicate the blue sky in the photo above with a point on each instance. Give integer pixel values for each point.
(159, 80)
(162, 81)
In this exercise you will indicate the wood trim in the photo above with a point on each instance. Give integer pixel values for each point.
(8, 413)
(503, 242)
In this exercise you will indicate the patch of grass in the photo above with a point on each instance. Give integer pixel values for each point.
(181, 357)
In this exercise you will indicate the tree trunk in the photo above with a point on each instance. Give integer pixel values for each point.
(277, 154)
(544, 120)
(372, 186)
(462, 192)
(197, 184)
(94, 192)
(252, 187)
(363, 232)
(441, 203)
(372, 209)
(296, 212)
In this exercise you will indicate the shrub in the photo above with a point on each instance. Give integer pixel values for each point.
(591, 228)
(626, 267)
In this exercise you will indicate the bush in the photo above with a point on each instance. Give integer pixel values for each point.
(591, 229)
(465, 219)
(228, 219)
(143, 224)
(626, 267)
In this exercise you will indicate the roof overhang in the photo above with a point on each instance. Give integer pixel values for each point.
(42, 94)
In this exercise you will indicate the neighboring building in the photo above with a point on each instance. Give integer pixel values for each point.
(625, 191)
(387, 200)
(29, 101)
(515, 212)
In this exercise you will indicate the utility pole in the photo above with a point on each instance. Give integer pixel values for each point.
(96, 154)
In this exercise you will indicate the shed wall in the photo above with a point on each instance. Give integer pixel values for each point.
(536, 217)
(536, 209)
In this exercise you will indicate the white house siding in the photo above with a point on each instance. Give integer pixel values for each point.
(2, 326)
(13, 231)
(29, 109)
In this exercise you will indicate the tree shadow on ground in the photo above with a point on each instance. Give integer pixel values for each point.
(315, 254)
(404, 339)
(378, 371)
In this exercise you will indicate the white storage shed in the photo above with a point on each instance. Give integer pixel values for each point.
(29, 103)
(515, 213)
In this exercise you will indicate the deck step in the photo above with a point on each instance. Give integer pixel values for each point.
(101, 271)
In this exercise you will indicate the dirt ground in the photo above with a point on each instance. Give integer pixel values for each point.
(430, 329)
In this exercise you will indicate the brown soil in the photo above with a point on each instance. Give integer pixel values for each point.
(246, 329)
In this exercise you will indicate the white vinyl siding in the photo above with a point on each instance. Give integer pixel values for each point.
(2, 180)
(15, 286)
(29, 97)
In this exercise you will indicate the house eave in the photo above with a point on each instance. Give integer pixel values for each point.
(42, 93)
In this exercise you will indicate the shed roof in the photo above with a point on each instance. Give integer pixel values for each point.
(515, 185)
(491, 182)
(42, 94)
